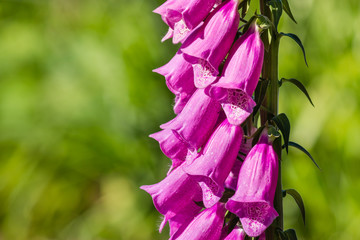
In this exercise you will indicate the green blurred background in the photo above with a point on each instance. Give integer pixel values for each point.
(78, 99)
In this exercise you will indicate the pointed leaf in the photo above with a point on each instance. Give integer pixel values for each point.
(299, 85)
(298, 201)
(281, 235)
(298, 146)
(298, 41)
(245, 8)
(276, 9)
(287, 9)
(291, 234)
(283, 123)
(260, 93)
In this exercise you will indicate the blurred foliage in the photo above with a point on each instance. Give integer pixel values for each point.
(78, 99)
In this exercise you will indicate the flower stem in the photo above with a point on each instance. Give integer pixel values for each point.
(270, 72)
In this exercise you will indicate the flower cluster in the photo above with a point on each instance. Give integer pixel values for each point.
(211, 191)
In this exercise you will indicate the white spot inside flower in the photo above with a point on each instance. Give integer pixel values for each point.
(180, 31)
(204, 74)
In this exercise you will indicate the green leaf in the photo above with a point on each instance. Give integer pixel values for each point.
(298, 41)
(299, 85)
(281, 234)
(245, 8)
(298, 146)
(260, 93)
(298, 201)
(287, 9)
(283, 123)
(291, 234)
(276, 9)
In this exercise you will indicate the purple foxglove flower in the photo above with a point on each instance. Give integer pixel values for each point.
(213, 166)
(179, 79)
(172, 146)
(178, 74)
(253, 199)
(240, 76)
(207, 45)
(175, 194)
(206, 226)
(184, 15)
(196, 121)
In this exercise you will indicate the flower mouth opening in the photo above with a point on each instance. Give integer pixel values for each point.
(204, 73)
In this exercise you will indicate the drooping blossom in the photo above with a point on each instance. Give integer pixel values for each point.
(184, 15)
(240, 76)
(213, 166)
(206, 226)
(172, 145)
(253, 199)
(207, 45)
(179, 79)
(196, 121)
(175, 194)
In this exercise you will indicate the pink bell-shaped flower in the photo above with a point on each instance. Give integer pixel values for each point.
(207, 45)
(175, 194)
(213, 166)
(179, 79)
(196, 121)
(184, 15)
(172, 145)
(206, 226)
(254, 197)
(240, 76)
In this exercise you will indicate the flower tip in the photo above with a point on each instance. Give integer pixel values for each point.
(159, 71)
(162, 224)
(158, 10)
(146, 188)
(154, 136)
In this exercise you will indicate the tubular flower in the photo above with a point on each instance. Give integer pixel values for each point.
(253, 199)
(206, 226)
(196, 121)
(240, 76)
(172, 146)
(175, 194)
(208, 44)
(184, 15)
(179, 79)
(213, 166)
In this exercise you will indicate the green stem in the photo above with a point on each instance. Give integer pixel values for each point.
(270, 72)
